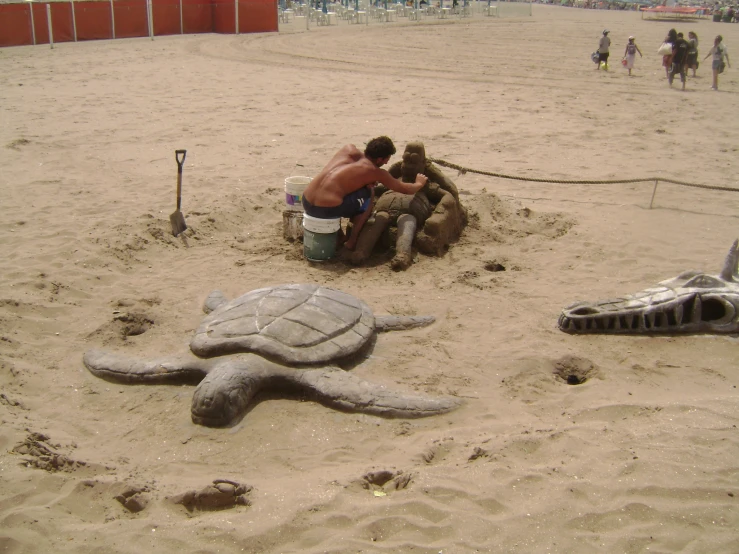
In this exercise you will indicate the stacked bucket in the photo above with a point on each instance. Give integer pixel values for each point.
(319, 235)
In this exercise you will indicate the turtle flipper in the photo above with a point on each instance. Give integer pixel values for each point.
(122, 369)
(223, 396)
(399, 323)
(340, 389)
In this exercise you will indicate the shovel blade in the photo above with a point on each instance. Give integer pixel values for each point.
(178, 222)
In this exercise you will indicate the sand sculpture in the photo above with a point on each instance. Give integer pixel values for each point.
(692, 302)
(277, 338)
(435, 212)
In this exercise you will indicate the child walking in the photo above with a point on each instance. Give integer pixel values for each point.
(630, 54)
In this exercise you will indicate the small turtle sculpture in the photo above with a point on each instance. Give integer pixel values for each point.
(275, 338)
(692, 302)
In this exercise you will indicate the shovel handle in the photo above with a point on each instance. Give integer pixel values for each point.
(180, 163)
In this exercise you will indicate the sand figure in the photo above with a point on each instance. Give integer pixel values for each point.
(435, 212)
(279, 338)
(692, 302)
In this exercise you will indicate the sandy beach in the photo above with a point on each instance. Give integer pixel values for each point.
(641, 457)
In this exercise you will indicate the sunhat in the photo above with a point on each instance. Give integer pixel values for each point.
(631, 38)
(606, 31)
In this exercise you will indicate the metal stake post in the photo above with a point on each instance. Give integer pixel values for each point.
(112, 18)
(48, 25)
(74, 21)
(33, 24)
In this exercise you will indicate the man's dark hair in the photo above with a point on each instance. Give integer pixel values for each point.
(380, 147)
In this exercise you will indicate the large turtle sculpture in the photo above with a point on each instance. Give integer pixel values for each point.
(692, 302)
(280, 338)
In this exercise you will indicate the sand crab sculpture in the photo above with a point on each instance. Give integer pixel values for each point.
(692, 302)
(281, 338)
(433, 218)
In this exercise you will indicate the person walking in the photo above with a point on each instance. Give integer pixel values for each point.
(670, 39)
(679, 59)
(603, 50)
(692, 51)
(718, 52)
(630, 54)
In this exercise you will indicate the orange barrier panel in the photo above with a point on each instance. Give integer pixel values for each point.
(15, 25)
(93, 19)
(197, 16)
(61, 21)
(224, 16)
(257, 16)
(166, 14)
(131, 18)
(40, 24)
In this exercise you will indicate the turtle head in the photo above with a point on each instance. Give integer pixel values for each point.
(222, 397)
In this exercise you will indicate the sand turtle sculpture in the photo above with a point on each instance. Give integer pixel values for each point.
(433, 218)
(280, 338)
(693, 302)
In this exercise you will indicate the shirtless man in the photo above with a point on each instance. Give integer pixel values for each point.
(344, 187)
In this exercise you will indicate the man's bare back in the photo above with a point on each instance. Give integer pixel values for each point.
(344, 186)
(350, 170)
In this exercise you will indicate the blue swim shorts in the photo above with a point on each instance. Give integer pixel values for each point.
(354, 204)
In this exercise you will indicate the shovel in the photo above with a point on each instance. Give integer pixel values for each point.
(177, 219)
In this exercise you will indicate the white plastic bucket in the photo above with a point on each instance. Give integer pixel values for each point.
(294, 187)
(318, 225)
(319, 238)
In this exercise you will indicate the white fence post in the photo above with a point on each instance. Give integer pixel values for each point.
(112, 18)
(236, 11)
(150, 16)
(74, 21)
(48, 25)
(182, 25)
(33, 26)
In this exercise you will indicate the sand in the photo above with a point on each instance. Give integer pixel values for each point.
(642, 457)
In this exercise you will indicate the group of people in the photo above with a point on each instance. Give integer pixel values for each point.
(604, 47)
(682, 55)
(678, 55)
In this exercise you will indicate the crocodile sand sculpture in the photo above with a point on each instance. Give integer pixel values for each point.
(693, 302)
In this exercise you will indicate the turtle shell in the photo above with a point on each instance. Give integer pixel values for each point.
(293, 324)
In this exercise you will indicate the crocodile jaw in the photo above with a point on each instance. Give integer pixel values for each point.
(661, 310)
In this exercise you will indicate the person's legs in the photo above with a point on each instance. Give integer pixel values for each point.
(358, 222)
(715, 80)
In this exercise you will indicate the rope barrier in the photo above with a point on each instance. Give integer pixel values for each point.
(462, 170)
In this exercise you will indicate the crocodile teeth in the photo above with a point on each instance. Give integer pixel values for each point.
(695, 317)
(629, 321)
(679, 315)
(649, 320)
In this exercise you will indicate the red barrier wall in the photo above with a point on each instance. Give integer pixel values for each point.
(61, 21)
(40, 24)
(15, 25)
(257, 16)
(93, 19)
(131, 19)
